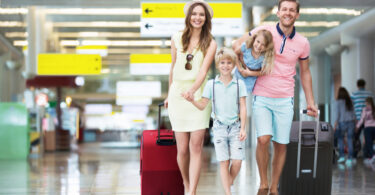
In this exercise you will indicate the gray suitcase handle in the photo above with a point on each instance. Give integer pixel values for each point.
(299, 143)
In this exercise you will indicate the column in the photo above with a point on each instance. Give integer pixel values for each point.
(349, 63)
(366, 61)
(36, 39)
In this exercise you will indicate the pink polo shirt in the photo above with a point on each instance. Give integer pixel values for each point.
(280, 83)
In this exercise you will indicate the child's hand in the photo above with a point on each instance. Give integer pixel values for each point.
(187, 96)
(242, 135)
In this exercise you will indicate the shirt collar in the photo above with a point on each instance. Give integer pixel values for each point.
(217, 80)
(282, 33)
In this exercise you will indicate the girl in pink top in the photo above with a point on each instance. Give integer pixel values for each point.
(368, 118)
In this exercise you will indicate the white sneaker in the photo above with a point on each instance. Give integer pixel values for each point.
(341, 160)
(354, 161)
(367, 161)
(348, 162)
(372, 160)
(232, 189)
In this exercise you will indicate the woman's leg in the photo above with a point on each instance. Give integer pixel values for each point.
(195, 146)
(350, 134)
(369, 140)
(225, 176)
(183, 156)
(340, 140)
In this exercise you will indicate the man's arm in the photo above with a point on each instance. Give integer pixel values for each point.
(306, 80)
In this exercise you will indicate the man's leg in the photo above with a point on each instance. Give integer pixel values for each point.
(262, 156)
(282, 122)
(263, 119)
(277, 165)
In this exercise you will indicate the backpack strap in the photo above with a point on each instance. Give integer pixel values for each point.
(213, 97)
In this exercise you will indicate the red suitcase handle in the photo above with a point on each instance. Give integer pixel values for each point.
(164, 142)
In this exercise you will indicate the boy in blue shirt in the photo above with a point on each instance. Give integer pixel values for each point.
(228, 95)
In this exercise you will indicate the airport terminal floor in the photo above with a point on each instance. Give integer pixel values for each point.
(91, 168)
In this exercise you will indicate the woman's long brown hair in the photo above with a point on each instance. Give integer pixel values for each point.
(344, 95)
(205, 37)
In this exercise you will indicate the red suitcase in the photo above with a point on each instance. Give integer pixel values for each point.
(159, 171)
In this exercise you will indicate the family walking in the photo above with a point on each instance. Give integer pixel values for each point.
(265, 60)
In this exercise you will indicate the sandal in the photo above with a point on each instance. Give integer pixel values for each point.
(262, 191)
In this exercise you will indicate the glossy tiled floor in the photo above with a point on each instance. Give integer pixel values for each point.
(92, 169)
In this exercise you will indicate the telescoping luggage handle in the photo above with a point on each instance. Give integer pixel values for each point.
(299, 143)
(164, 142)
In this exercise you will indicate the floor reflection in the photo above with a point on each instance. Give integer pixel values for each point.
(92, 169)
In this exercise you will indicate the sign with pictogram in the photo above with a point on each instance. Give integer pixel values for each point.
(164, 19)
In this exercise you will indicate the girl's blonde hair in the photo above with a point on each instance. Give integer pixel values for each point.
(225, 53)
(269, 52)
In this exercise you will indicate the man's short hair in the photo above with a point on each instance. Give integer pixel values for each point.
(361, 83)
(296, 1)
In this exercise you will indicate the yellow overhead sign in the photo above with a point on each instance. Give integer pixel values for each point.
(69, 64)
(92, 47)
(150, 64)
(176, 10)
(150, 58)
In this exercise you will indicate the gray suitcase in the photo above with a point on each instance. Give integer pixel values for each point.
(308, 163)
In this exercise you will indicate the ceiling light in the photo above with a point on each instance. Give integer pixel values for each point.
(98, 24)
(81, 34)
(19, 43)
(99, 34)
(310, 34)
(326, 11)
(308, 24)
(115, 43)
(12, 24)
(13, 11)
(16, 34)
(95, 11)
(78, 11)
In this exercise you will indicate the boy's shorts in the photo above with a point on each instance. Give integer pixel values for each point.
(227, 142)
(273, 116)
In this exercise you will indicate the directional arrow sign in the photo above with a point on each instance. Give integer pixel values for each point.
(168, 18)
(147, 11)
(148, 26)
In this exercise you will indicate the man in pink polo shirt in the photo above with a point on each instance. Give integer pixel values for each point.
(273, 93)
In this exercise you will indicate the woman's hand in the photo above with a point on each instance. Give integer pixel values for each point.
(188, 95)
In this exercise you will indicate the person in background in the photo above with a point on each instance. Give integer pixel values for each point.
(358, 98)
(344, 124)
(368, 120)
(192, 51)
(228, 95)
